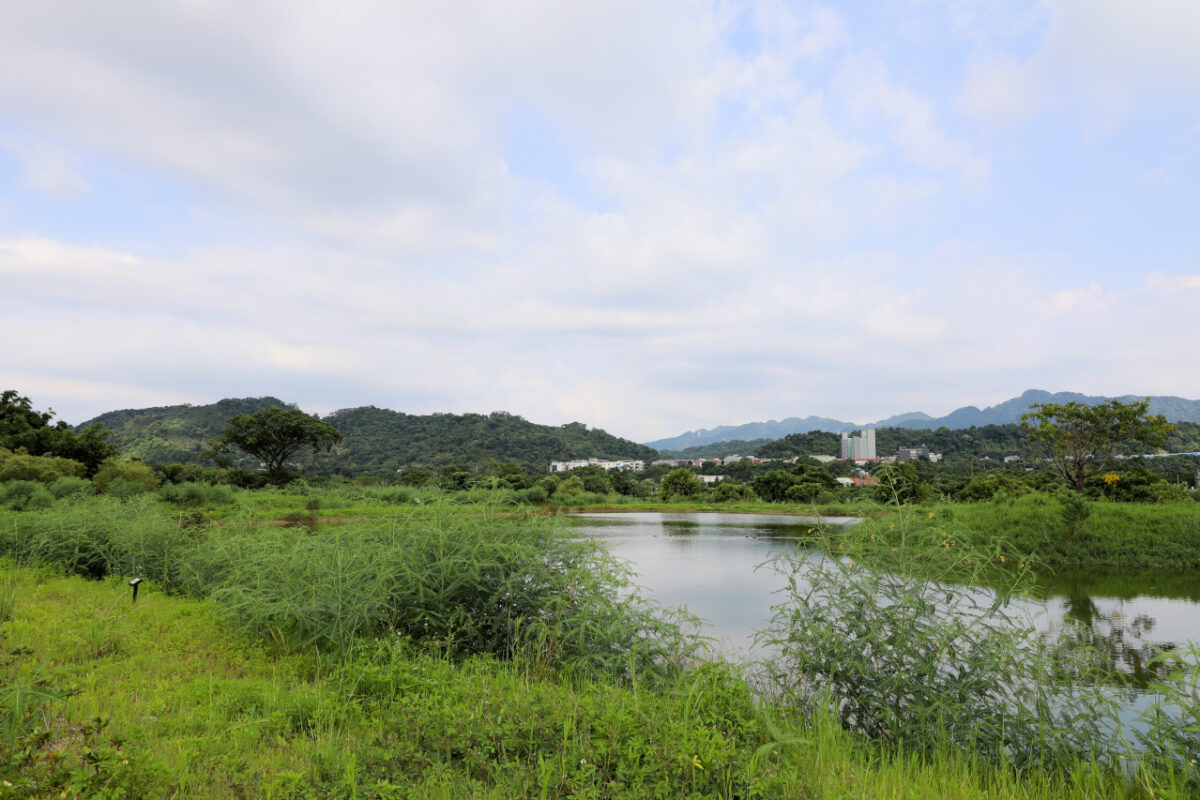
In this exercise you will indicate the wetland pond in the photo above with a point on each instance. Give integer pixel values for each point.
(715, 566)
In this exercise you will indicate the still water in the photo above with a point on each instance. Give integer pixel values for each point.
(715, 566)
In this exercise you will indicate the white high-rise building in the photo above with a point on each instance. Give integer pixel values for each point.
(859, 447)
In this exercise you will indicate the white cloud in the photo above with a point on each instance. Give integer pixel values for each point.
(867, 91)
(1157, 281)
(1000, 92)
(1107, 58)
(763, 231)
(47, 168)
(1090, 299)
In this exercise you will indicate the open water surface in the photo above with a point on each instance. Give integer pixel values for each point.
(714, 565)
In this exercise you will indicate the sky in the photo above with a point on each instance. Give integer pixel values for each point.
(643, 215)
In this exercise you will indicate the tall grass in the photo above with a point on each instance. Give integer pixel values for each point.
(1061, 529)
(909, 637)
(476, 583)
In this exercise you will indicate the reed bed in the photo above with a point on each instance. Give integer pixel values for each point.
(491, 583)
(487, 652)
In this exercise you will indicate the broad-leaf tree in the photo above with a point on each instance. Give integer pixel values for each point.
(23, 428)
(1079, 440)
(274, 435)
(680, 482)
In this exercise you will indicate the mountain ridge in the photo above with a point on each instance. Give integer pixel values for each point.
(1175, 409)
(375, 440)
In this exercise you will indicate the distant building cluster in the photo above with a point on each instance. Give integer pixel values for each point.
(609, 466)
(913, 453)
(859, 448)
(721, 462)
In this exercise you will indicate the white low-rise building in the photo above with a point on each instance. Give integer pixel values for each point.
(608, 466)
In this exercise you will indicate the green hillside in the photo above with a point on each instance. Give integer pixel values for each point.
(175, 434)
(984, 441)
(375, 440)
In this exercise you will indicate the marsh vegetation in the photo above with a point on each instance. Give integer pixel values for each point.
(453, 649)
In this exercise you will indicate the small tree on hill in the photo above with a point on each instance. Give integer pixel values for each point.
(1079, 440)
(274, 435)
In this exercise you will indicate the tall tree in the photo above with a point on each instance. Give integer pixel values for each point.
(24, 428)
(1079, 440)
(274, 435)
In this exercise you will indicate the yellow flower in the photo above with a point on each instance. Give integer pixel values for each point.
(872, 537)
(891, 525)
(931, 515)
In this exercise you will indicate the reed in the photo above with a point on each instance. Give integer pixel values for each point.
(487, 582)
(909, 638)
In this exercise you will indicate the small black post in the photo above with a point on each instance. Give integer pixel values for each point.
(134, 583)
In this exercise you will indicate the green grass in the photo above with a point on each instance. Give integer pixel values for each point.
(1098, 533)
(482, 651)
(191, 709)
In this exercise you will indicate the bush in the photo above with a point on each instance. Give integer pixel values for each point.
(910, 649)
(680, 482)
(804, 492)
(534, 495)
(22, 495)
(571, 486)
(899, 484)
(727, 492)
(71, 487)
(123, 489)
(992, 485)
(43, 469)
(195, 494)
(128, 472)
(400, 495)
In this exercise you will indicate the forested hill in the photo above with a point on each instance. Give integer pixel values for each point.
(170, 434)
(375, 440)
(378, 440)
(984, 441)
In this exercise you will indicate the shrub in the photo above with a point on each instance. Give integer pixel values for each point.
(71, 487)
(123, 489)
(134, 472)
(195, 494)
(571, 486)
(22, 495)
(534, 495)
(804, 492)
(726, 492)
(43, 469)
(681, 482)
(910, 649)
(400, 495)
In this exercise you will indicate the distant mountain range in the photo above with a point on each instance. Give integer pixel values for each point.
(375, 440)
(1175, 409)
(381, 441)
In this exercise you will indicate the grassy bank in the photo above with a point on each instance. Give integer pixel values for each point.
(188, 708)
(482, 651)
(1059, 530)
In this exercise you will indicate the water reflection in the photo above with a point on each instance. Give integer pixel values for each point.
(680, 527)
(711, 564)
